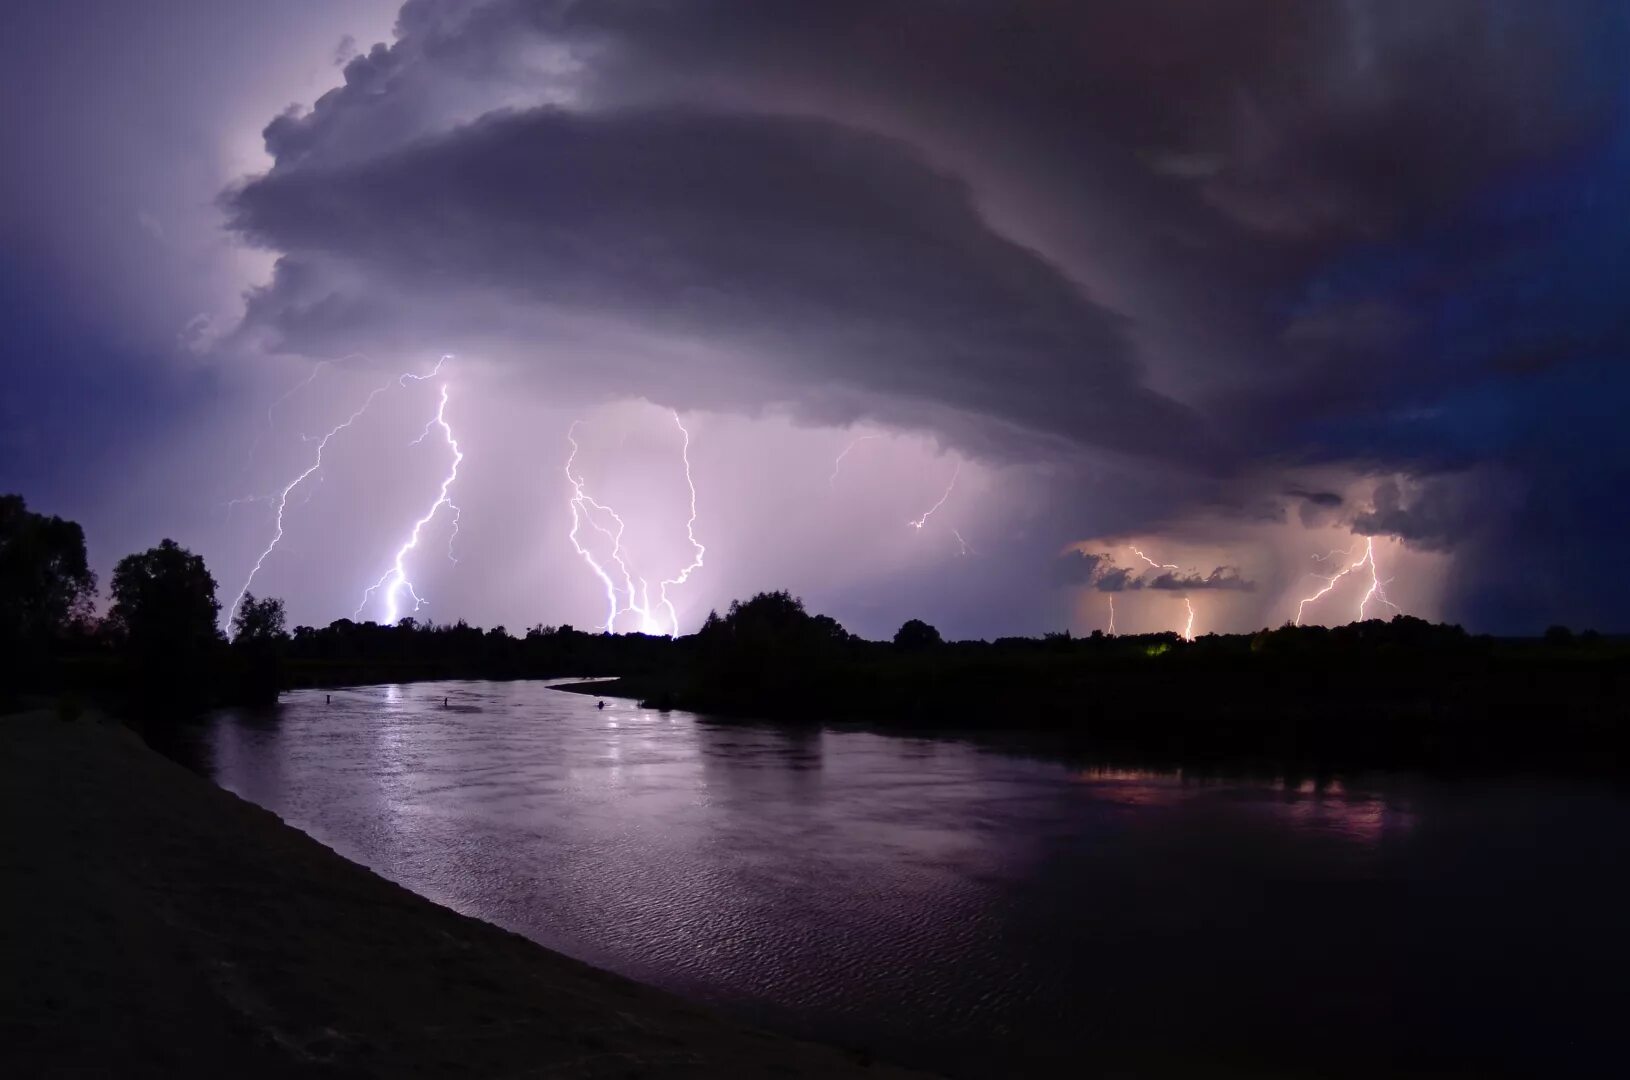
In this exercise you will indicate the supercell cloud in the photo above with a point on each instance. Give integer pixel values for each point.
(1241, 282)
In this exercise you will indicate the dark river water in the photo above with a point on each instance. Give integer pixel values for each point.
(976, 911)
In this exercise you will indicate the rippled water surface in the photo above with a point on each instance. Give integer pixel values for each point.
(972, 910)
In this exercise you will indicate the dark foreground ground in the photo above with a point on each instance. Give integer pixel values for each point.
(153, 924)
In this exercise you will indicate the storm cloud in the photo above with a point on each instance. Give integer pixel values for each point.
(1279, 272)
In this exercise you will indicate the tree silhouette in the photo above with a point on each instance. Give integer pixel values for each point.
(164, 603)
(916, 635)
(258, 620)
(45, 580)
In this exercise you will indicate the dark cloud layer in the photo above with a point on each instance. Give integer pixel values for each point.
(1218, 240)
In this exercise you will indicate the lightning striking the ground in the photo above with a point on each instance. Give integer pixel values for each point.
(1188, 629)
(395, 580)
(282, 497)
(1112, 614)
(920, 522)
(837, 462)
(690, 534)
(1376, 591)
(638, 601)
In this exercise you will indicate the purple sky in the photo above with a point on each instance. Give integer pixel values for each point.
(1237, 284)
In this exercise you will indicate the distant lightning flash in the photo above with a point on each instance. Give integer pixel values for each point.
(584, 507)
(395, 580)
(1375, 591)
(920, 522)
(837, 462)
(1111, 614)
(1188, 628)
(282, 497)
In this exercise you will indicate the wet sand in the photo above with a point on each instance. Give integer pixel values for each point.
(154, 924)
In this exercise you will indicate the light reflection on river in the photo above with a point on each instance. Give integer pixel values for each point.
(973, 910)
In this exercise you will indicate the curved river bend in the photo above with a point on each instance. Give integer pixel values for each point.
(976, 911)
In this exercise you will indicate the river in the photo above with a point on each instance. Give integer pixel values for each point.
(974, 910)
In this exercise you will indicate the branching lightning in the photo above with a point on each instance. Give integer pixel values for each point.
(1376, 591)
(920, 522)
(638, 601)
(1112, 614)
(690, 534)
(282, 497)
(395, 580)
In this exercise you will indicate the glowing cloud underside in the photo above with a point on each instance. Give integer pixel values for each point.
(1376, 591)
(628, 599)
(282, 497)
(395, 580)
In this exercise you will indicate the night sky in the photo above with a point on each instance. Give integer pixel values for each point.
(1233, 284)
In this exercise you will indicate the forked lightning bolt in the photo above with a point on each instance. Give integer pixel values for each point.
(1376, 591)
(395, 580)
(584, 508)
(690, 534)
(282, 497)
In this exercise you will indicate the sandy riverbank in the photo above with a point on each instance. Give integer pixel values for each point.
(153, 924)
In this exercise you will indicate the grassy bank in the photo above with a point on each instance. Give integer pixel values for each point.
(154, 924)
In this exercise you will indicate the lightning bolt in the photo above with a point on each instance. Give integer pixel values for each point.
(584, 507)
(965, 549)
(690, 534)
(1151, 562)
(837, 463)
(1112, 614)
(1375, 591)
(920, 522)
(282, 497)
(395, 580)
(1188, 628)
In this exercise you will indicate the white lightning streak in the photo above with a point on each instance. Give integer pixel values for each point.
(837, 462)
(964, 543)
(690, 534)
(579, 503)
(639, 601)
(1112, 614)
(283, 496)
(395, 579)
(920, 522)
(1375, 591)
(1151, 562)
(1188, 628)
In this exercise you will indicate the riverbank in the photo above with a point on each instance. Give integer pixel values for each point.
(155, 924)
